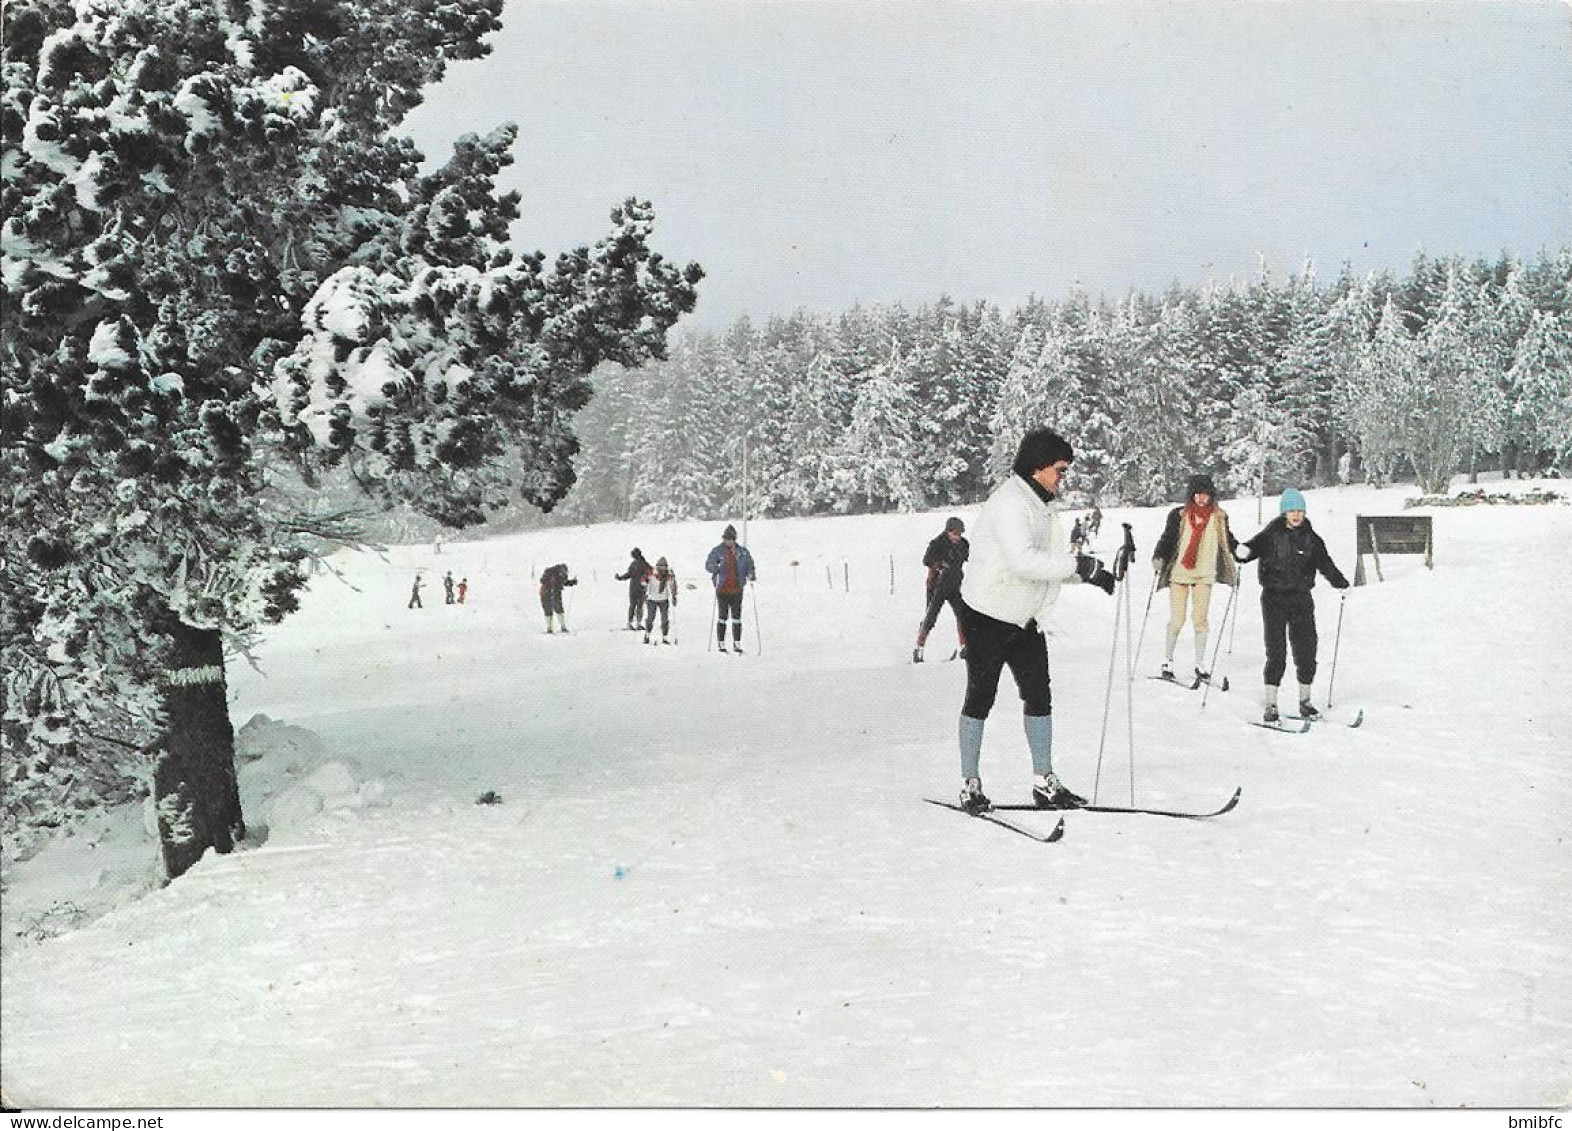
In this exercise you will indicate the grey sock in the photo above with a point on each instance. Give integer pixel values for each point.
(1039, 739)
(971, 733)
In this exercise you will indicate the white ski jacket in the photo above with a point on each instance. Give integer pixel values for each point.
(1020, 556)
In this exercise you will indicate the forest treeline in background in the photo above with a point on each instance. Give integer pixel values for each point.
(1454, 367)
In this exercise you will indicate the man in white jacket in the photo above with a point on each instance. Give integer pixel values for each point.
(1020, 557)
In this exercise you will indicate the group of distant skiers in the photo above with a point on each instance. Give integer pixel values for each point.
(652, 591)
(1002, 584)
(453, 593)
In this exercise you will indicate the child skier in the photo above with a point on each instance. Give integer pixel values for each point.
(662, 596)
(1291, 554)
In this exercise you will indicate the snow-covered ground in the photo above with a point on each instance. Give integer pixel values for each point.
(711, 879)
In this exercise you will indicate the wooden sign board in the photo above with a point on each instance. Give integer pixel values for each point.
(1391, 534)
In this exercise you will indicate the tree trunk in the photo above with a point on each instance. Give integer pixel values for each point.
(194, 785)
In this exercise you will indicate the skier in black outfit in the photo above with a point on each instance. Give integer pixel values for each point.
(1291, 554)
(945, 558)
(637, 575)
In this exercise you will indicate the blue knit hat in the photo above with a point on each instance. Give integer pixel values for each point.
(1292, 501)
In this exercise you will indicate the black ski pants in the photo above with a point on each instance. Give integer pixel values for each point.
(650, 608)
(993, 645)
(937, 599)
(728, 606)
(635, 603)
(1288, 620)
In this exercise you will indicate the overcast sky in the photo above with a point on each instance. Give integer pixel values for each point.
(821, 154)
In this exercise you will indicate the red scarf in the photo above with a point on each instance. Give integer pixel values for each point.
(1197, 517)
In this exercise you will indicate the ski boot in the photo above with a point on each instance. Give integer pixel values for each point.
(1307, 710)
(973, 800)
(1048, 792)
(1270, 715)
(917, 655)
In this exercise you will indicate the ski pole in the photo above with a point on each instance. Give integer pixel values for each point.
(1233, 592)
(1102, 738)
(757, 635)
(1141, 639)
(1129, 658)
(1232, 629)
(1120, 572)
(1336, 640)
(714, 608)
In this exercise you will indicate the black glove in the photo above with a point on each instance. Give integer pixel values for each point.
(1091, 571)
(1343, 584)
(1086, 567)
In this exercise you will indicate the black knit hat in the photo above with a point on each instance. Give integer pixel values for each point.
(1200, 484)
(638, 553)
(954, 525)
(1041, 448)
(729, 532)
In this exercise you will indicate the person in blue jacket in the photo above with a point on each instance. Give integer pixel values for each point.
(730, 567)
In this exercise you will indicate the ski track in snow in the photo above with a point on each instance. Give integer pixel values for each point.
(711, 880)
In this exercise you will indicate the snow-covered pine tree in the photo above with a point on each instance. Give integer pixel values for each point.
(1372, 399)
(1454, 409)
(1540, 380)
(875, 469)
(1501, 333)
(1042, 387)
(217, 256)
(1329, 330)
(982, 351)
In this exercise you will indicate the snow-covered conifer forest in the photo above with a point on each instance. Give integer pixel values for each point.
(1453, 367)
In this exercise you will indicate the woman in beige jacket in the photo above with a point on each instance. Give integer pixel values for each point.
(1195, 552)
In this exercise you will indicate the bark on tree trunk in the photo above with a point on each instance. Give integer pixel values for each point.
(194, 784)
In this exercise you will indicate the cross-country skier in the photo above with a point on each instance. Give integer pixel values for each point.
(662, 597)
(447, 587)
(414, 594)
(730, 567)
(1290, 555)
(552, 582)
(1020, 557)
(463, 588)
(1195, 552)
(945, 558)
(637, 575)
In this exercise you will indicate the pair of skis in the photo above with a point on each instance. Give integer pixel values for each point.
(1194, 685)
(1057, 832)
(1302, 725)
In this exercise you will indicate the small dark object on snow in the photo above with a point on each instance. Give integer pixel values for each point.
(490, 797)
